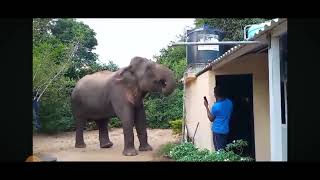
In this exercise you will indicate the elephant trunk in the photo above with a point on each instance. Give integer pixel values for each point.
(167, 79)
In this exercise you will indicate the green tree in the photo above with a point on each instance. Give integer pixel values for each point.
(70, 31)
(53, 55)
(51, 58)
(111, 66)
(95, 67)
(232, 26)
(40, 29)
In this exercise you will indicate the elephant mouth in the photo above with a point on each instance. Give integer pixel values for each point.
(160, 83)
(163, 83)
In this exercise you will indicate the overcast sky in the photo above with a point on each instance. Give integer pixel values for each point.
(121, 39)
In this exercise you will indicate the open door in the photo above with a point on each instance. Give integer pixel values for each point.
(239, 90)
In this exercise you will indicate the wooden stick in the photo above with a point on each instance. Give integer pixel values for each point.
(195, 133)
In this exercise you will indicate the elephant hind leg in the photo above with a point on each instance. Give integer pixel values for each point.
(104, 134)
(80, 123)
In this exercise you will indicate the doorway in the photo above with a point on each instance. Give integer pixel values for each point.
(239, 89)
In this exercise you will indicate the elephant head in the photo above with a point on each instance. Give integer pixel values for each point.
(150, 76)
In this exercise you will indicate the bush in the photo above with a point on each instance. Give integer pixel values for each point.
(113, 123)
(182, 150)
(188, 152)
(196, 156)
(176, 126)
(165, 149)
(91, 125)
(161, 109)
(237, 146)
(55, 117)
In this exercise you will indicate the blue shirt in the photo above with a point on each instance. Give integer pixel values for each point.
(222, 111)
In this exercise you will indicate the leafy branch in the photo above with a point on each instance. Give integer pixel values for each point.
(74, 49)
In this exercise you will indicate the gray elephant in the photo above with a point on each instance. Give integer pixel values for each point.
(103, 95)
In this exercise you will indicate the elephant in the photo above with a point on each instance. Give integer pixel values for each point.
(102, 95)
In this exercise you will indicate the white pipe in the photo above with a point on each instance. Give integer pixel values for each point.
(245, 32)
(214, 43)
(184, 109)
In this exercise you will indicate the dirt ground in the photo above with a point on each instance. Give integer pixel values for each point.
(62, 146)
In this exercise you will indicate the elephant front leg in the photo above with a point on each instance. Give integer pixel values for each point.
(140, 124)
(125, 114)
(104, 134)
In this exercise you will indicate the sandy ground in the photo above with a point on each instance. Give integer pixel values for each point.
(62, 146)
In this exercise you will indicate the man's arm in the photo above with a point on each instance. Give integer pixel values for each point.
(211, 117)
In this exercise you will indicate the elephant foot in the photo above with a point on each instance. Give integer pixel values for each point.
(130, 152)
(106, 145)
(80, 145)
(145, 148)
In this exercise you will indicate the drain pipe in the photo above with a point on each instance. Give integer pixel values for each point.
(184, 109)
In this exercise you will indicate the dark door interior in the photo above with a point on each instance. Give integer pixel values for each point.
(239, 90)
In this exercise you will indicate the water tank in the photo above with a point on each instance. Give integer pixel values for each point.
(253, 29)
(203, 54)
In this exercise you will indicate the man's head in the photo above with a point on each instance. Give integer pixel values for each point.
(218, 93)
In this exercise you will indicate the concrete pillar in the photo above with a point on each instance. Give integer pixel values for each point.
(276, 139)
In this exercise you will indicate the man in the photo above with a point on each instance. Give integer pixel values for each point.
(36, 108)
(219, 115)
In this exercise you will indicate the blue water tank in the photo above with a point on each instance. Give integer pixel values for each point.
(253, 29)
(203, 53)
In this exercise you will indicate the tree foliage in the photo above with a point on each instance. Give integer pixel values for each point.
(232, 26)
(59, 47)
(69, 30)
(41, 27)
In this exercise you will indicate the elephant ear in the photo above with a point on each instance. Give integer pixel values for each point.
(133, 95)
(139, 64)
(138, 60)
(127, 77)
(124, 70)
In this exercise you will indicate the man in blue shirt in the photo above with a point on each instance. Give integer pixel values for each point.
(36, 109)
(219, 115)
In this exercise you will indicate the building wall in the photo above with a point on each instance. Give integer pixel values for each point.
(257, 65)
(195, 110)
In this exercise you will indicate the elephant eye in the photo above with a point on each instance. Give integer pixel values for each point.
(148, 67)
